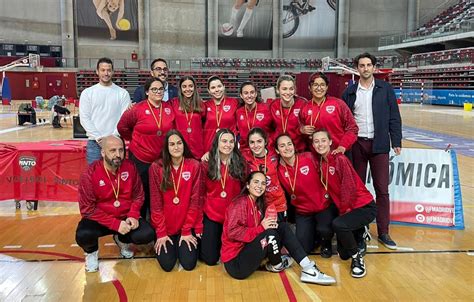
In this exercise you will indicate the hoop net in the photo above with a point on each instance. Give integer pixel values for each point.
(32, 61)
(325, 63)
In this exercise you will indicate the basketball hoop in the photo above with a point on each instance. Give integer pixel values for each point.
(325, 63)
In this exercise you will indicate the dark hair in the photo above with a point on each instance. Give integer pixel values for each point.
(166, 182)
(250, 83)
(237, 167)
(194, 104)
(280, 136)
(324, 130)
(105, 60)
(316, 75)
(372, 58)
(151, 81)
(261, 206)
(259, 131)
(213, 78)
(158, 60)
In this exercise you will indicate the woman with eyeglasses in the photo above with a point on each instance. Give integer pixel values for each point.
(264, 159)
(225, 174)
(286, 109)
(175, 203)
(220, 111)
(328, 112)
(189, 113)
(299, 177)
(252, 114)
(145, 126)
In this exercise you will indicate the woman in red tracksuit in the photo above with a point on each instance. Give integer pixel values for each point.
(189, 113)
(225, 173)
(220, 111)
(145, 126)
(252, 234)
(356, 205)
(264, 159)
(314, 212)
(285, 111)
(330, 113)
(253, 114)
(175, 203)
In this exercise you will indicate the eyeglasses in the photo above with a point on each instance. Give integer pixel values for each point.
(157, 90)
(160, 70)
(322, 85)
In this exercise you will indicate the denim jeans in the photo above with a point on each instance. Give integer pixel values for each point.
(92, 151)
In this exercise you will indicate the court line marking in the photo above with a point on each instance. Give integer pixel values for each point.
(288, 289)
(109, 244)
(46, 245)
(470, 253)
(74, 245)
(12, 247)
(116, 283)
(308, 291)
(401, 248)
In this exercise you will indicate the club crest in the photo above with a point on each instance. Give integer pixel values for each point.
(124, 176)
(330, 109)
(186, 175)
(304, 170)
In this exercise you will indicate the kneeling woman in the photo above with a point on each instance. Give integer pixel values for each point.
(356, 205)
(249, 237)
(175, 203)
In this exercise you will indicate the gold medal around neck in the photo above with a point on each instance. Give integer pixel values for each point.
(293, 196)
(326, 196)
(158, 133)
(189, 130)
(223, 194)
(116, 203)
(176, 200)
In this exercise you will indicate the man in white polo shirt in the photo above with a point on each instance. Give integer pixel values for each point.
(100, 108)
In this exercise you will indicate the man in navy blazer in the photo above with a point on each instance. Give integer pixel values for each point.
(375, 110)
(159, 70)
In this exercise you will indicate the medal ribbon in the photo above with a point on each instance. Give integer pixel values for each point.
(176, 187)
(254, 209)
(284, 123)
(292, 184)
(317, 116)
(116, 192)
(247, 117)
(219, 116)
(224, 179)
(188, 119)
(324, 181)
(158, 122)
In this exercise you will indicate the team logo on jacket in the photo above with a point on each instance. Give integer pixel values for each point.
(260, 116)
(124, 176)
(264, 243)
(310, 112)
(147, 112)
(330, 109)
(332, 170)
(101, 183)
(226, 108)
(168, 111)
(241, 117)
(304, 170)
(269, 181)
(27, 162)
(296, 112)
(186, 175)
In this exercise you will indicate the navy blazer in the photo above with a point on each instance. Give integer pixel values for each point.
(139, 94)
(387, 119)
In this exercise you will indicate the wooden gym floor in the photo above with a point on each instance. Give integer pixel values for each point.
(39, 260)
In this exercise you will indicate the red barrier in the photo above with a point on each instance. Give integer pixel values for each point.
(47, 170)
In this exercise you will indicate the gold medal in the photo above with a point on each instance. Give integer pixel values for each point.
(292, 182)
(116, 203)
(293, 196)
(158, 133)
(189, 130)
(157, 121)
(116, 191)
(223, 194)
(176, 200)
(326, 196)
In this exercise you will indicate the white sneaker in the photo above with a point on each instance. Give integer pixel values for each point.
(92, 262)
(125, 250)
(240, 33)
(227, 29)
(286, 262)
(314, 275)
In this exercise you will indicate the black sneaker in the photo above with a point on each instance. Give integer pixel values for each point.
(362, 247)
(387, 241)
(358, 266)
(326, 249)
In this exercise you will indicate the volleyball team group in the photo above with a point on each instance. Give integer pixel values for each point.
(224, 180)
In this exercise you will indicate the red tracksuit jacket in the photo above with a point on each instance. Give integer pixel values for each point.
(96, 196)
(138, 126)
(214, 205)
(293, 125)
(241, 226)
(194, 138)
(166, 217)
(226, 113)
(260, 117)
(335, 117)
(274, 193)
(344, 185)
(308, 188)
